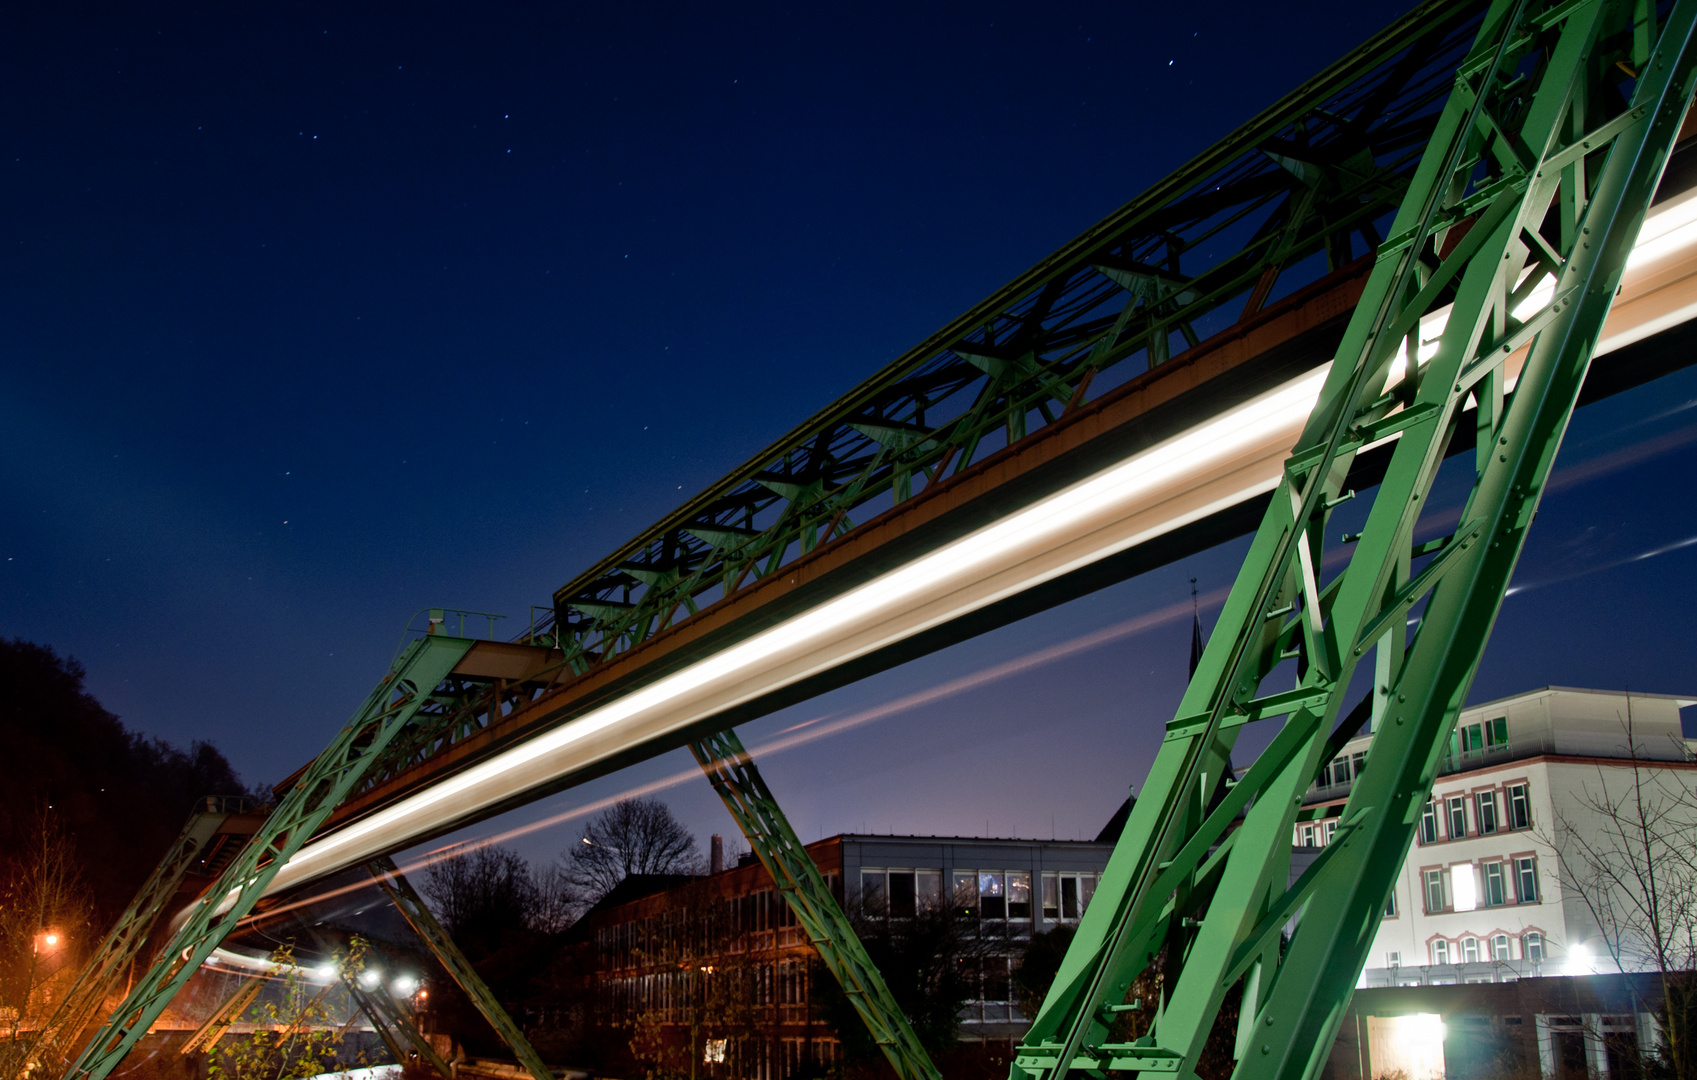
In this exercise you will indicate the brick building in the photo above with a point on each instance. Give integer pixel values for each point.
(715, 967)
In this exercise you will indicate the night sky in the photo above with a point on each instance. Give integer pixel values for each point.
(310, 319)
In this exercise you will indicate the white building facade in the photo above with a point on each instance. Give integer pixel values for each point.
(1482, 897)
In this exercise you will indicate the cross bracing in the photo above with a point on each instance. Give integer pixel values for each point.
(1589, 93)
(1304, 188)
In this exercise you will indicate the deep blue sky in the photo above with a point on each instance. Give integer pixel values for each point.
(310, 319)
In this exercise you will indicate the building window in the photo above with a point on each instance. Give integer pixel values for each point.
(1328, 830)
(1429, 823)
(1457, 818)
(1519, 807)
(1440, 951)
(1470, 950)
(1496, 885)
(872, 889)
(966, 892)
(1390, 904)
(1532, 946)
(1485, 811)
(1526, 879)
(899, 893)
(1358, 762)
(1434, 891)
(1477, 738)
(1393, 959)
(1066, 895)
(1496, 732)
(1019, 895)
(1499, 947)
(1305, 836)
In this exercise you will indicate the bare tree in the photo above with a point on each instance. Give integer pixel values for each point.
(1629, 854)
(488, 893)
(633, 836)
(44, 927)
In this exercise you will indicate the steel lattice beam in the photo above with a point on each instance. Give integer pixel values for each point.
(1516, 228)
(1317, 174)
(413, 677)
(123, 944)
(227, 1013)
(412, 908)
(393, 1025)
(803, 888)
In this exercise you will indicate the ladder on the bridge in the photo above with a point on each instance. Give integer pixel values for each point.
(1520, 218)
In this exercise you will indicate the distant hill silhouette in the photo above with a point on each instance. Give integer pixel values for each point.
(122, 796)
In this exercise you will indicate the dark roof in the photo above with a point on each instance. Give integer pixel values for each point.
(637, 886)
(1110, 833)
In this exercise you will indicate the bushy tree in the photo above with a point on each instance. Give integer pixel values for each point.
(297, 1027)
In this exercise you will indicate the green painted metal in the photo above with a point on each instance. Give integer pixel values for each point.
(412, 679)
(393, 1026)
(1303, 188)
(1538, 174)
(227, 1013)
(817, 912)
(412, 908)
(110, 963)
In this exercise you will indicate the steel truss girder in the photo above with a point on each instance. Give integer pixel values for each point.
(1198, 252)
(412, 908)
(124, 942)
(1538, 174)
(226, 1014)
(412, 679)
(803, 888)
(393, 1025)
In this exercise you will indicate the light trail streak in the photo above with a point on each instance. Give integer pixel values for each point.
(790, 738)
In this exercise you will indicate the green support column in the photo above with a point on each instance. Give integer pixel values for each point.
(424, 924)
(393, 1025)
(1515, 230)
(408, 686)
(123, 944)
(738, 783)
(207, 1035)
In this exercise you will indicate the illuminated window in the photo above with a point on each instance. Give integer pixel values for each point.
(1019, 895)
(1485, 811)
(1519, 807)
(966, 892)
(1429, 823)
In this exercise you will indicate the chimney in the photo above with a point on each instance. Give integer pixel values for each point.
(717, 857)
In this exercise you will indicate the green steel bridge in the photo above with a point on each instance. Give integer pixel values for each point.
(1412, 259)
